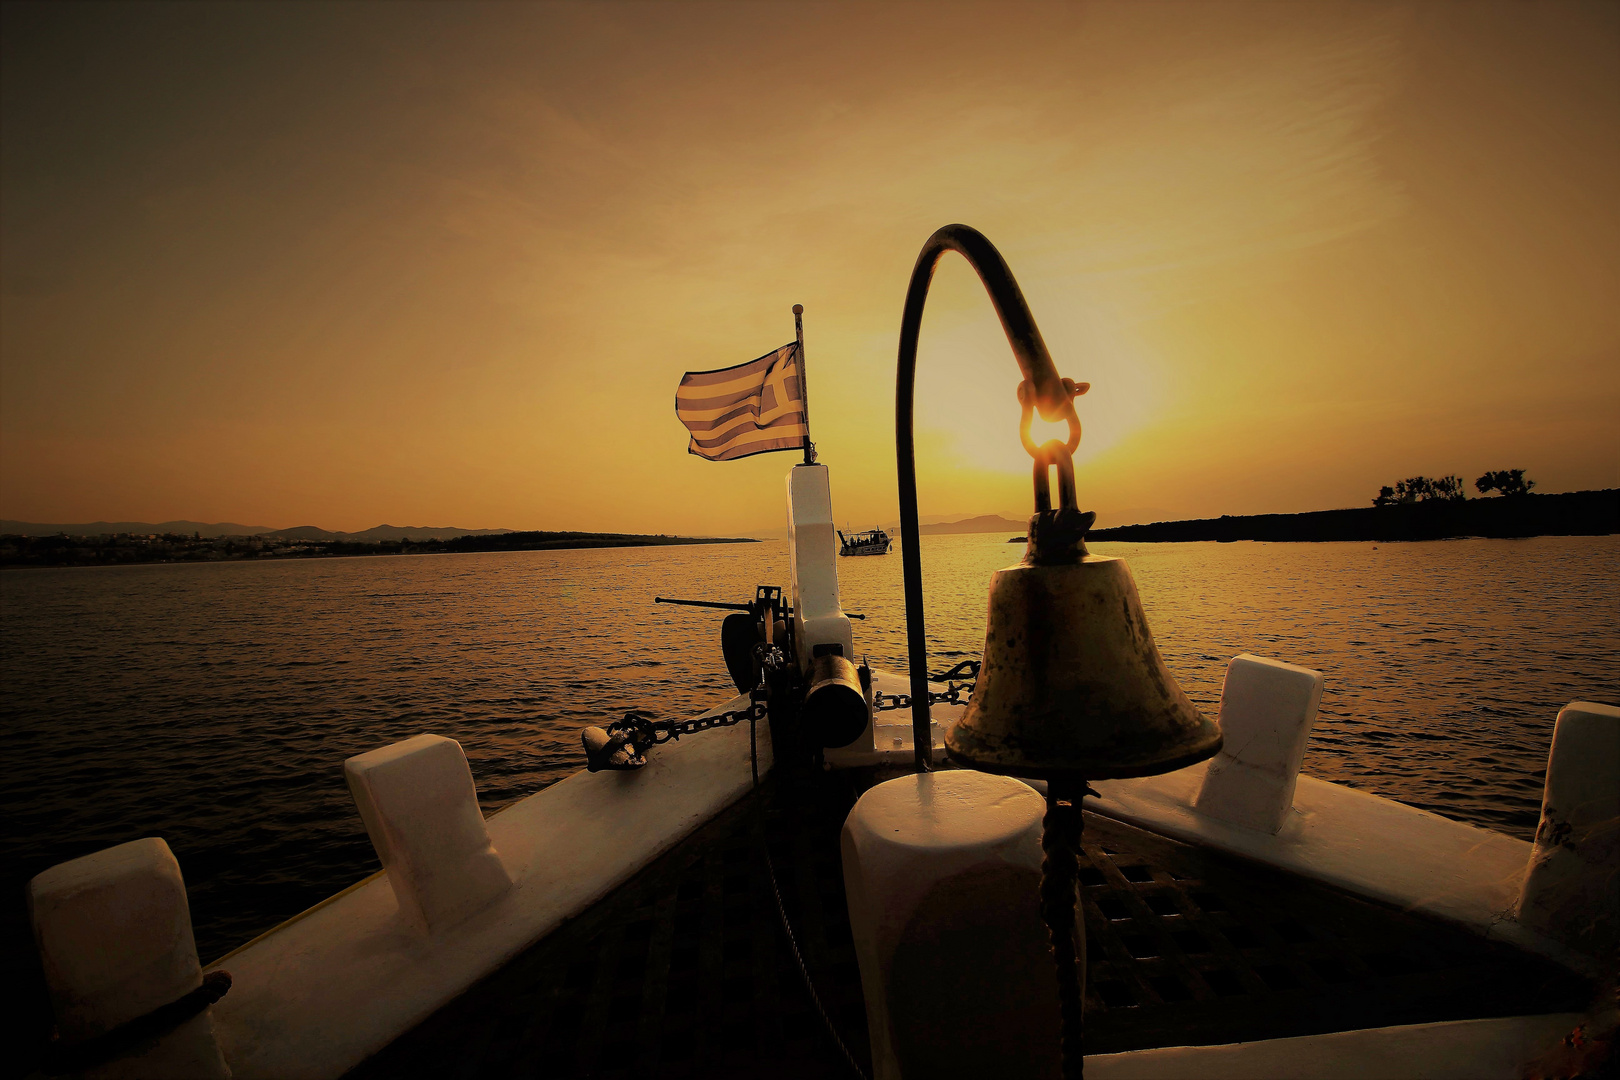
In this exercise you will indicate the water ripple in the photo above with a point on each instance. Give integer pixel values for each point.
(213, 704)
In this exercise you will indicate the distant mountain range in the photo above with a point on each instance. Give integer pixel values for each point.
(227, 528)
(387, 532)
(933, 526)
(984, 523)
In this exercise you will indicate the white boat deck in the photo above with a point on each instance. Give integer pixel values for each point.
(321, 993)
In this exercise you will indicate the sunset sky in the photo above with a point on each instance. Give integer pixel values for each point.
(445, 264)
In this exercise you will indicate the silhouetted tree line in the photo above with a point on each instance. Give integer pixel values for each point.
(1507, 481)
(1571, 513)
(1416, 489)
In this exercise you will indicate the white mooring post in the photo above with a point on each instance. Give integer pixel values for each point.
(1267, 711)
(813, 566)
(114, 936)
(421, 811)
(942, 873)
(1571, 891)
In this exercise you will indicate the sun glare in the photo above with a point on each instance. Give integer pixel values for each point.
(1043, 431)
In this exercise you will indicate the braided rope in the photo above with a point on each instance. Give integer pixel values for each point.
(78, 1057)
(1060, 840)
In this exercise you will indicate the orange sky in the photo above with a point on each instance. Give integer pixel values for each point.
(441, 265)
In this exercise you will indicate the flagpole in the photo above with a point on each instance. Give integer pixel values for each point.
(804, 384)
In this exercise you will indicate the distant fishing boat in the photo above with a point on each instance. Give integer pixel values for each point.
(875, 542)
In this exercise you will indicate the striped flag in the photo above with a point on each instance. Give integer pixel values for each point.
(752, 408)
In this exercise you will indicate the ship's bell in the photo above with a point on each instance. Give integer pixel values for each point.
(1071, 685)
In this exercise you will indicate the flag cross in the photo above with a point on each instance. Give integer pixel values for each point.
(725, 411)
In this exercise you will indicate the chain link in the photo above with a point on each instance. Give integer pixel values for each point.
(953, 696)
(645, 732)
(624, 743)
(961, 680)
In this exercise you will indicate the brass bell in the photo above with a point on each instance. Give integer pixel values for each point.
(1071, 685)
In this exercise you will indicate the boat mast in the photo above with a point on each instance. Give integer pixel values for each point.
(804, 384)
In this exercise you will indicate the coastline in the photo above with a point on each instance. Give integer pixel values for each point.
(128, 550)
(1573, 513)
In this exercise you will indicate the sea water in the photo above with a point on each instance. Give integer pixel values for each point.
(213, 704)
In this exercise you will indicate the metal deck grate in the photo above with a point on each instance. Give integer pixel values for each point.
(1189, 947)
(684, 972)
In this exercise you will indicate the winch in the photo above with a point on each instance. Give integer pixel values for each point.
(792, 654)
(827, 706)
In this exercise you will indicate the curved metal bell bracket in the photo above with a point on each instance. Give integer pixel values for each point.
(1042, 390)
(1082, 689)
(1071, 687)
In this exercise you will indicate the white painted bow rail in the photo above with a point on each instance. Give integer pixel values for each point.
(459, 896)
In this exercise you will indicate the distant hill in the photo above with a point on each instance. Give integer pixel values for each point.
(227, 528)
(384, 532)
(128, 549)
(112, 528)
(984, 523)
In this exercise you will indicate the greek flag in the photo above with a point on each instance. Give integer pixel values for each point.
(752, 408)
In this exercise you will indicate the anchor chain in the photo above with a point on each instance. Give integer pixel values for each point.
(882, 702)
(623, 744)
(961, 680)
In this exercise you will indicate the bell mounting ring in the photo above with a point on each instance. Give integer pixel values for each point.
(1026, 400)
(1056, 537)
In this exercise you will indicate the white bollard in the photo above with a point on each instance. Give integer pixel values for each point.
(1571, 891)
(1267, 711)
(942, 873)
(114, 937)
(813, 566)
(421, 811)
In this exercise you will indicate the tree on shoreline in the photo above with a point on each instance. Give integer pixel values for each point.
(1506, 481)
(1421, 489)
